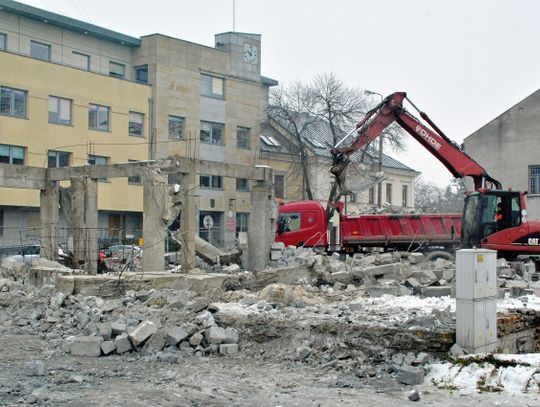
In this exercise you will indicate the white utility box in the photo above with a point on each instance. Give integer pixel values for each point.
(476, 300)
(476, 274)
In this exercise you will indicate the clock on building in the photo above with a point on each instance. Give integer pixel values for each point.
(250, 53)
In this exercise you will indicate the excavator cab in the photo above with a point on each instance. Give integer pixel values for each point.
(488, 212)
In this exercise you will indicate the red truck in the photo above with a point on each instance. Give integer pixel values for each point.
(492, 218)
(304, 223)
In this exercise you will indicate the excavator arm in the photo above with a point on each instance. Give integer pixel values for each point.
(435, 141)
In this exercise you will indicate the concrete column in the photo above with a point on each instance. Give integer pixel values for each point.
(48, 216)
(156, 192)
(85, 222)
(261, 228)
(189, 226)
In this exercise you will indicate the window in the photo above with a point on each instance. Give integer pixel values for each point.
(81, 60)
(136, 124)
(40, 51)
(534, 179)
(371, 195)
(211, 181)
(11, 154)
(242, 184)
(279, 186)
(98, 160)
(389, 193)
(242, 222)
(134, 179)
(176, 128)
(242, 137)
(117, 70)
(57, 159)
(3, 41)
(98, 117)
(211, 86)
(12, 102)
(59, 110)
(288, 222)
(404, 195)
(141, 73)
(212, 133)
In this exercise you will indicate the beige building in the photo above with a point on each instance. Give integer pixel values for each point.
(279, 150)
(91, 95)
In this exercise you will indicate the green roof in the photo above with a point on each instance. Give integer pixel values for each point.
(68, 23)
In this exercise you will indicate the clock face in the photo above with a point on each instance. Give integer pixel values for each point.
(250, 53)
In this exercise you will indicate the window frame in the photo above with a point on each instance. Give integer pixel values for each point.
(388, 193)
(58, 106)
(57, 158)
(284, 186)
(4, 36)
(141, 134)
(242, 222)
(134, 179)
(82, 54)
(97, 128)
(536, 177)
(211, 179)
(42, 44)
(242, 188)
(115, 75)
(11, 158)
(405, 196)
(136, 70)
(211, 133)
(371, 195)
(106, 163)
(208, 91)
(173, 118)
(248, 137)
(12, 102)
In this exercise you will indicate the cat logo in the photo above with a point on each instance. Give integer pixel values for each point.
(533, 241)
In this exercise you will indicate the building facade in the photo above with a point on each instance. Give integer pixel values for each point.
(74, 93)
(507, 147)
(279, 151)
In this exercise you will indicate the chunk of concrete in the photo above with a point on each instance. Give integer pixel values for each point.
(87, 346)
(410, 375)
(424, 277)
(108, 347)
(155, 343)
(34, 368)
(380, 290)
(215, 335)
(391, 270)
(231, 335)
(205, 319)
(175, 335)
(436, 291)
(118, 328)
(228, 349)
(343, 277)
(122, 343)
(105, 330)
(142, 332)
(416, 258)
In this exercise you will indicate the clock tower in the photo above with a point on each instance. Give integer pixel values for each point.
(245, 53)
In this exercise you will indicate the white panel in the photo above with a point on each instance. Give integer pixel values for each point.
(476, 324)
(476, 271)
(491, 320)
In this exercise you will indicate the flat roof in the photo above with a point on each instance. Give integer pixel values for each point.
(68, 23)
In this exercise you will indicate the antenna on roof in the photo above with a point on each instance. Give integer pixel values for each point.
(234, 15)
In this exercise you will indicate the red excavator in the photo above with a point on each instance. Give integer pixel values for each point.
(492, 218)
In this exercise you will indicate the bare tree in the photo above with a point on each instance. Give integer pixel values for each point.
(291, 108)
(429, 197)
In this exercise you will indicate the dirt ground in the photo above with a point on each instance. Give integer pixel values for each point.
(199, 381)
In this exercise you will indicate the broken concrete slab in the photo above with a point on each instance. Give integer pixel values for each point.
(410, 375)
(228, 349)
(143, 332)
(108, 347)
(34, 368)
(436, 291)
(87, 346)
(215, 335)
(424, 277)
(122, 343)
(416, 258)
(175, 335)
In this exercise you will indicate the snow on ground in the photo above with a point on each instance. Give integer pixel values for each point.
(477, 377)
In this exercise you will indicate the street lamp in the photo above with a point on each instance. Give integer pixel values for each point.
(381, 138)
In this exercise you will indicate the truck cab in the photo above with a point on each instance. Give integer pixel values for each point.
(302, 224)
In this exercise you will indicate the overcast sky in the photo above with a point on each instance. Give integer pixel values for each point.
(464, 62)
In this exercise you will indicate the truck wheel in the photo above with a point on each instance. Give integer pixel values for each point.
(439, 254)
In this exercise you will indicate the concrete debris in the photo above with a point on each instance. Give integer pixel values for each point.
(414, 395)
(87, 346)
(108, 347)
(34, 368)
(411, 375)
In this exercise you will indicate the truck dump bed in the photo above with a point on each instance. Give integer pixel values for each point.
(400, 231)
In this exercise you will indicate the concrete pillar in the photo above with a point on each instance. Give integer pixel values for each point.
(84, 215)
(156, 193)
(48, 216)
(189, 226)
(261, 228)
